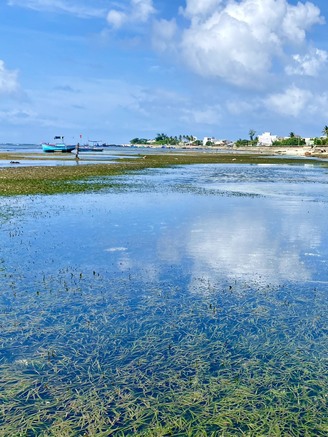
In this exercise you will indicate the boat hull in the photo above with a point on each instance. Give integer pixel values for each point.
(59, 147)
(90, 149)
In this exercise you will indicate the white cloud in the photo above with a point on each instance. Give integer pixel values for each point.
(138, 11)
(142, 9)
(200, 8)
(309, 64)
(241, 41)
(299, 19)
(116, 18)
(72, 7)
(8, 80)
(163, 33)
(291, 102)
(223, 47)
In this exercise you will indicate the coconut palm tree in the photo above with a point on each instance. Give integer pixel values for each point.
(325, 131)
(251, 134)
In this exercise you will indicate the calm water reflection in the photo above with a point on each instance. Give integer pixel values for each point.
(146, 263)
(219, 222)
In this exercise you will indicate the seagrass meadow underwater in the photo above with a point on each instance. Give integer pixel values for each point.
(185, 301)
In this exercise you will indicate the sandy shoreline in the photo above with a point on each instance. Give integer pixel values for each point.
(304, 151)
(294, 151)
(288, 151)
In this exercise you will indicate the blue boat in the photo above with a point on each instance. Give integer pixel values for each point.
(59, 146)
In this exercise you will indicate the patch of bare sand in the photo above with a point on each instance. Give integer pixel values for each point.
(321, 151)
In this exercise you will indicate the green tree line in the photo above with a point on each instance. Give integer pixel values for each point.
(163, 139)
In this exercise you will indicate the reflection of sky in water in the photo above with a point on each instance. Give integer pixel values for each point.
(265, 180)
(182, 293)
(163, 231)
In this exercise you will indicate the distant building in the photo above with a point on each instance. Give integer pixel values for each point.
(266, 139)
(309, 141)
(214, 141)
(208, 140)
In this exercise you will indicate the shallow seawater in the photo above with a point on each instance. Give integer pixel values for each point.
(190, 302)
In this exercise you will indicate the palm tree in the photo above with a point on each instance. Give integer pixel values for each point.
(292, 135)
(325, 131)
(251, 134)
(161, 137)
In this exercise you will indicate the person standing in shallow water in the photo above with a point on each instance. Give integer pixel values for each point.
(77, 151)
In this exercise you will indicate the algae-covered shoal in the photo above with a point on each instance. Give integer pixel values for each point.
(29, 180)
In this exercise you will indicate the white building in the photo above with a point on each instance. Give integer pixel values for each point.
(266, 139)
(208, 140)
(215, 142)
(309, 141)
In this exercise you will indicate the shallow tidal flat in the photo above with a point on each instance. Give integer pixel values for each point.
(76, 177)
(185, 300)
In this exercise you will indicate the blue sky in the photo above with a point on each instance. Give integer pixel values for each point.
(114, 70)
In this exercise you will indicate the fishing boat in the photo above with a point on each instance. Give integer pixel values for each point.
(58, 146)
(87, 148)
(94, 147)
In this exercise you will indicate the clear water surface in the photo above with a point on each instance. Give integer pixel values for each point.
(191, 301)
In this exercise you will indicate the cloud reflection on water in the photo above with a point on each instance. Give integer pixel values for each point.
(155, 235)
(243, 248)
(263, 240)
